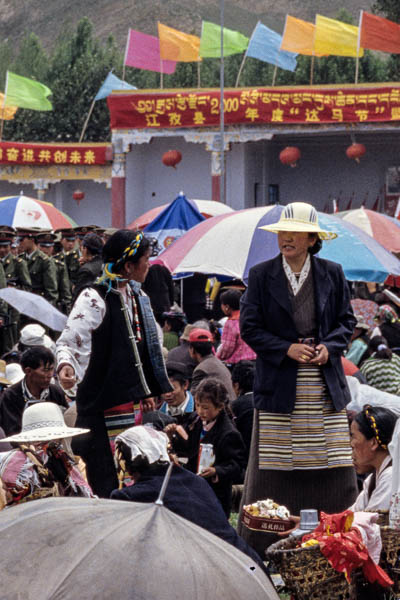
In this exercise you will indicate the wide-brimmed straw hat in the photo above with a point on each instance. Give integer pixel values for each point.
(43, 422)
(302, 217)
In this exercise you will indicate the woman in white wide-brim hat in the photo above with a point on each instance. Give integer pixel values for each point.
(42, 465)
(296, 315)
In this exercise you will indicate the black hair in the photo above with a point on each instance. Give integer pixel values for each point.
(203, 348)
(317, 246)
(243, 374)
(374, 344)
(376, 422)
(36, 356)
(214, 390)
(114, 248)
(231, 297)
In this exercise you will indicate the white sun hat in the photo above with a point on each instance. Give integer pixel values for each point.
(302, 217)
(43, 422)
(34, 334)
(14, 373)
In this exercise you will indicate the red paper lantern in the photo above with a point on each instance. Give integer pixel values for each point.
(171, 158)
(78, 195)
(290, 155)
(356, 151)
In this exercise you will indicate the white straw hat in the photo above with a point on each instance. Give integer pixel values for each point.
(302, 217)
(43, 422)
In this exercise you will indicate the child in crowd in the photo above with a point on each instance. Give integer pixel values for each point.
(210, 424)
(232, 348)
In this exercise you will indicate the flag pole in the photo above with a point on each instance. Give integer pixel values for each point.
(312, 69)
(4, 108)
(87, 121)
(126, 53)
(358, 46)
(274, 75)
(221, 110)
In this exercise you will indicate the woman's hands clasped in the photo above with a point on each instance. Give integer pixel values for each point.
(305, 354)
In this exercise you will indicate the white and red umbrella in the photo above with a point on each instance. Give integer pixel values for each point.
(23, 211)
(382, 228)
(208, 208)
(229, 245)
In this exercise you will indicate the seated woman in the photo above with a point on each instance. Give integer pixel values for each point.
(141, 454)
(371, 432)
(42, 465)
(382, 368)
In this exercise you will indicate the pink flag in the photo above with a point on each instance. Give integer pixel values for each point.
(143, 52)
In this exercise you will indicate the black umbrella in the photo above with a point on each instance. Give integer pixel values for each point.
(83, 548)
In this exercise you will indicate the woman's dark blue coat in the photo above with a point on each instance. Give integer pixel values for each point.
(267, 326)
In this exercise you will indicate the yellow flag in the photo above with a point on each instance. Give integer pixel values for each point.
(178, 46)
(6, 112)
(335, 37)
(298, 37)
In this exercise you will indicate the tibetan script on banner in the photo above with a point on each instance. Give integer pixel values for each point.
(14, 153)
(201, 108)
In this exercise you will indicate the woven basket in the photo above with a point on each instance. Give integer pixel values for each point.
(307, 573)
(390, 555)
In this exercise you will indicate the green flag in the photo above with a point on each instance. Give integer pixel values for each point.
(26, 93)
(210, 43)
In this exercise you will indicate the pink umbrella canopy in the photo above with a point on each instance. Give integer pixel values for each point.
(208, 208)
(382, 228)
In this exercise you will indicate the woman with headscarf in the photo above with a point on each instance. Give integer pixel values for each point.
(388, 325)
(110, 347)
(296, 315)
(382, 368)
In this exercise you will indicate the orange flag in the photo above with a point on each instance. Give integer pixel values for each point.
(378, 33)
(298, 37)
(178, 46)
(6, 112)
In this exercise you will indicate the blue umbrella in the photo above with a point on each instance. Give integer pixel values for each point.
(177, 218)
(231, 244)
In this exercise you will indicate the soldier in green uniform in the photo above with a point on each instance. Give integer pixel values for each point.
(45, 242)
(69, 252)
(16, 274)
(41, 268)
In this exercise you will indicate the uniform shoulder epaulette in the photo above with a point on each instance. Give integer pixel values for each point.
(19, 260)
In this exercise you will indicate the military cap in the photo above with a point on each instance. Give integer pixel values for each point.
(68, 233)
(82, 230)
(45, 238)
(29, 232)
(7, 235)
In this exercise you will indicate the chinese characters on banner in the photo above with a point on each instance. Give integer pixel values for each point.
(14, 153)
(200, 108)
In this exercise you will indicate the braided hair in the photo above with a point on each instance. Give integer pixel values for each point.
(377, 422)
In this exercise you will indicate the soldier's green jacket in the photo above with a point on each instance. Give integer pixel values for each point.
(16, 271)
(42, 270)
(63, 282)
(73, 265)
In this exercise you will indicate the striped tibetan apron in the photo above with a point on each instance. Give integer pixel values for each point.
(313, 436)
(118, 419)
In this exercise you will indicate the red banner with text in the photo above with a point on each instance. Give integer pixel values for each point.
(201, 108)
(15, 153)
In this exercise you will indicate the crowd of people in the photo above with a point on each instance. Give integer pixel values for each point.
(246, 398)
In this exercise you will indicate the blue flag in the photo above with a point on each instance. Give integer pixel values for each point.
(111, 83)
(265, 45)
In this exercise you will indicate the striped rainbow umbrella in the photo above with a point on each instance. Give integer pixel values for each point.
(382, 228)
(22, 211)
(229, 245)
